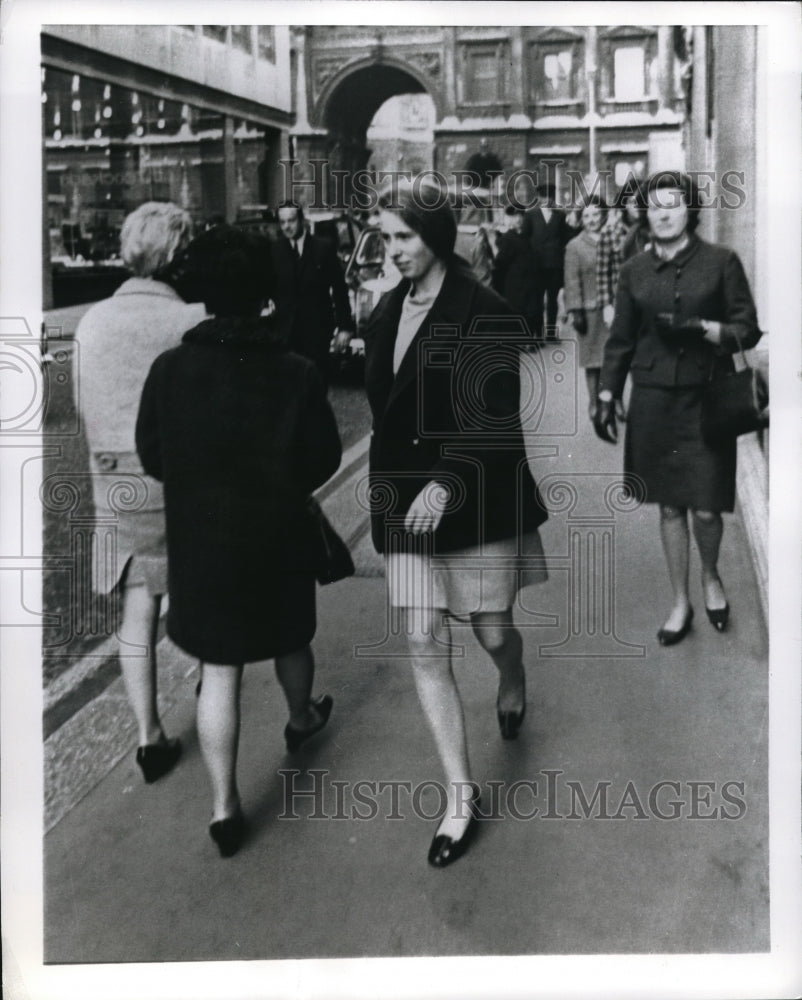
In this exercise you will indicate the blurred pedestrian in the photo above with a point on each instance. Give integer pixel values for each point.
(682, 310)
(547, 229)
(239, 430)
(581, 294)
(118, 340)
(514, 267)
(445, 494)
(308, 287)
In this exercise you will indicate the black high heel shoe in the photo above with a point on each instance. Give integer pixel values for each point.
(444, 850)
(718, 617)
(228, 833)
(157, 759)
(295, 738)
(670, 637)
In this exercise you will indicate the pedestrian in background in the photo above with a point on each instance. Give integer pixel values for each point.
(582, 301)
(118, 340)
(514, 267)
(440, 497)
(682, 310)
(239, 430)
(308, 288)
(548, 232)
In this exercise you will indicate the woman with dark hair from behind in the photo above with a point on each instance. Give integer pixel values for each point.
(682, 310)
(445, 496)
(240, 432)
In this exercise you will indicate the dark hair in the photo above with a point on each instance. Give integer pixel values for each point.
(231, 269)
(425, 208)
(675, 179)
(513, 210)
(291, 204)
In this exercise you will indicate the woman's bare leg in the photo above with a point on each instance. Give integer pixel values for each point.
(502, 641)
(676, 542)
(296, 675)
(708, 528)
(138, 631)
(428, 637)
(218, 734)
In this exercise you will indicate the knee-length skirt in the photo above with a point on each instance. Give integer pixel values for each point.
(665, 449)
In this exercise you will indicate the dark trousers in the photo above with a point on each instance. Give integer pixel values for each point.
(548, 282)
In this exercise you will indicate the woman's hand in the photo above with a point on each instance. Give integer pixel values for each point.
(608, 314)
(426, 510)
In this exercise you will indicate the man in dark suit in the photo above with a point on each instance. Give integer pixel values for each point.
(309, 286)
(513, 268)
(548, 232)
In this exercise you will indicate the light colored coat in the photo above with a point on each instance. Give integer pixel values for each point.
(117, 341)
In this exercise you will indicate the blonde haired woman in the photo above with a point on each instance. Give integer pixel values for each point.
(118, 339)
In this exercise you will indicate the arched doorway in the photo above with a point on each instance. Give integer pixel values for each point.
(484, 166)
(348, 105)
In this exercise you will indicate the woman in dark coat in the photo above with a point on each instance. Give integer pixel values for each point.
(450, 482)
(682, 310)
(240, 432)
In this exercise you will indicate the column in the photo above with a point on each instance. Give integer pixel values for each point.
(665, 66)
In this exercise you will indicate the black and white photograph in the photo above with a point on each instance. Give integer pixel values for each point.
(401, 536)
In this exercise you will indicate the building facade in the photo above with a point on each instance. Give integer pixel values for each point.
(590, 100)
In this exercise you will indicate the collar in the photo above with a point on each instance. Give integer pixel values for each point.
(684, 255)
(148, 286)
(239, 332)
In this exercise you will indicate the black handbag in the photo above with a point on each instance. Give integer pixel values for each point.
(332, 560)
(734, 403)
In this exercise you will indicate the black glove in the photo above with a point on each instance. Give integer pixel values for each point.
(604, 421)
(580, 321)
(667, 325)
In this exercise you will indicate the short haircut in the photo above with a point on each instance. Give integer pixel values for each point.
(425, 208)
(513, 210)
(152, 235)
(231, 269)
(676, 179)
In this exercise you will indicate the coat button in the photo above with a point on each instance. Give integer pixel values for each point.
(416, 441)
(681, 352)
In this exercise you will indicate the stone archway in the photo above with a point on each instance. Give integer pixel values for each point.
(347, 104)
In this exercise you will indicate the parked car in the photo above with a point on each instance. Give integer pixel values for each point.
(338, 228)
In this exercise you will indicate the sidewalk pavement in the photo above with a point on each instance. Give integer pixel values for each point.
(617, 860)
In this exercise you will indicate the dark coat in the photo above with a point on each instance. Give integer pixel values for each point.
(313, 292)
(513, 273)
(451, 414)
(705, 281)
(548, 239)
(240, 432)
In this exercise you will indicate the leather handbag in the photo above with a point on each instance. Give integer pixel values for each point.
(332, 560)
(734, 403)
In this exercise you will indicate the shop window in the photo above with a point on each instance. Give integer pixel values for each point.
(219, 32)
(241, 37)
(266, 42)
